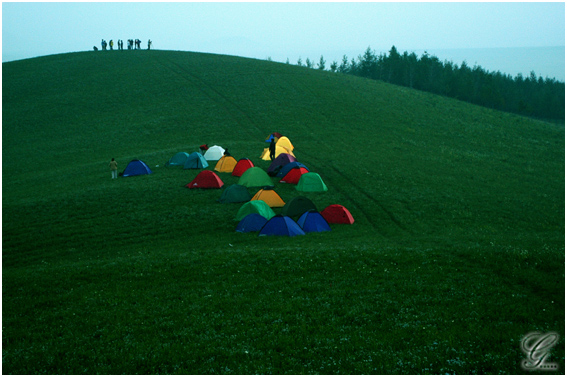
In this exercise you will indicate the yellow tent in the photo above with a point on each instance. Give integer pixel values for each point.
(266, 154)
(226, 164)
(269, 196)
(284, 142)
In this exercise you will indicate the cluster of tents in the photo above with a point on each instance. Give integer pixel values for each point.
(297, 217)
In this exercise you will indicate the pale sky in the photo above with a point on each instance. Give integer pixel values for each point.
(279, 30)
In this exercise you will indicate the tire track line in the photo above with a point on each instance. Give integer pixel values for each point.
(206, 89)
(369, 216)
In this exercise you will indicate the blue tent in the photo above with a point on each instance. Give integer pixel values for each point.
(312, 221)
(292, 165)
(136, 167)
(195, 161)
(251, 223)
(281, 226)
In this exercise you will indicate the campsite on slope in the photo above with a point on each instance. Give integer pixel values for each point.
(284, 164)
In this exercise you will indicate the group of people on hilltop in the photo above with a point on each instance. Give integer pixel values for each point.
(131, 44)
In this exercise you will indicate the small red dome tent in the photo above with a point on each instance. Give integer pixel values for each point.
(337, 214)
(242, 165)
(294, 176)
(205, 179)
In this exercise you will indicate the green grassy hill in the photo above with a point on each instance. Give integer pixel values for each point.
(457, 250)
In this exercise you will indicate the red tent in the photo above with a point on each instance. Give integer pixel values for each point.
(205, 179)
(337, 214)
(242, 165)
(293, 175)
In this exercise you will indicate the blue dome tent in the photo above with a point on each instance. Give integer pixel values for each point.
(251, 223)
(312, 221)
(136, 167)
(281, 226)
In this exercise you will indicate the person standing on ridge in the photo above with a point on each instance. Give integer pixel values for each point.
(113, 168)
(111, 44)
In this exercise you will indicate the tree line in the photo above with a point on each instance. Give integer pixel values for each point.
(530, 96)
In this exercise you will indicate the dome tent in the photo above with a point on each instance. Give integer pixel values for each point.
(206, 179)
(214, 153)
(178, 159)
(255, 177)
(241, 166)
(281, 226)
(337, 214)
(279, 150)
(297, 206)
(136, 167)
(312, 221)
(226, 164)
(268, 195)
(257, 206)
(285, 143)
(235, 194)
(279, 162)
(252, 222)
(311, 182)
(294, 176)
(287, 167)
(195, 161)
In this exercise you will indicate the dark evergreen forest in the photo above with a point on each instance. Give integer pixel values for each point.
(530, 96)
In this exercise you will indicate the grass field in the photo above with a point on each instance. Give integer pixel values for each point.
(456, 253)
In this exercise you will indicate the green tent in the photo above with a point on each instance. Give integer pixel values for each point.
(255, 177)
(256, 206)
(178, 160)
(311, 182)
(235, 194)
(298, 206)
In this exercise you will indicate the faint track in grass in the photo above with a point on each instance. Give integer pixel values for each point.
(372, 219)
(211, 92)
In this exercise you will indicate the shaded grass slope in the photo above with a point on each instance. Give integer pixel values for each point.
(456, 252)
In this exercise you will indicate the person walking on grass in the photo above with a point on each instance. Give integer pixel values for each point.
(113, 168)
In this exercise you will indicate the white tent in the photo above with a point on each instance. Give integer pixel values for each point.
(214, 153)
